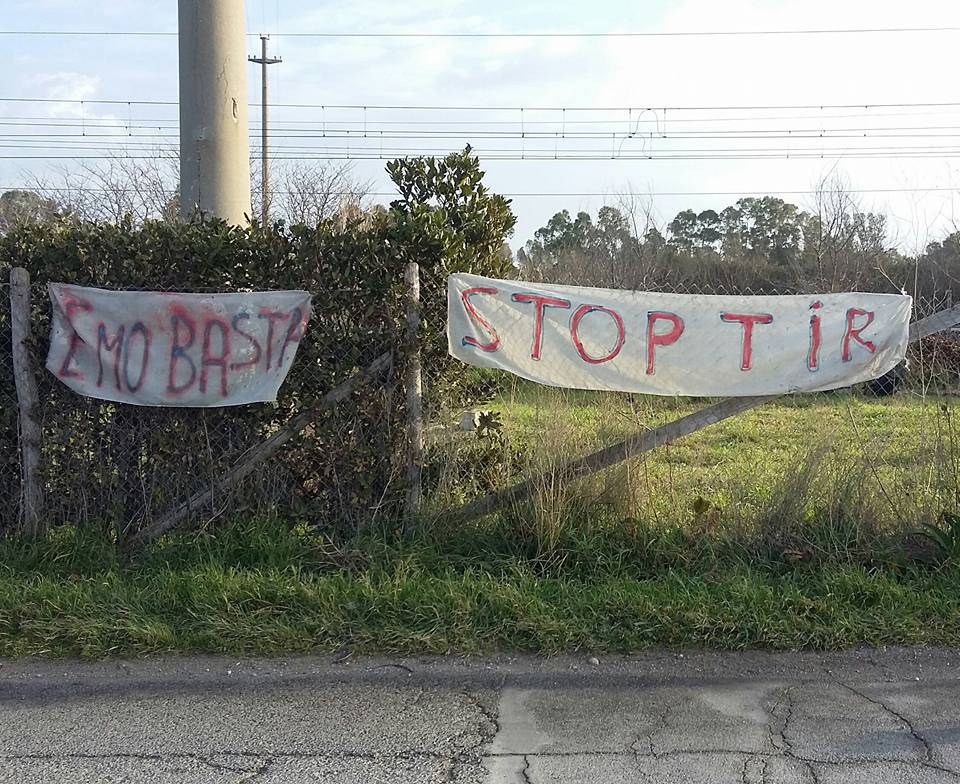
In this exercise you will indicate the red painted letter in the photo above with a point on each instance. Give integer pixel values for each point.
(70, 306)
(666, 339)
(582, 311)
(542, 303)
(178, 352)
(210, 360)
(853, 333)
(272, 316)
(137, 329)
(254, 343)
(298, 323)
(747, 320)
(116, 346)
(494, 342)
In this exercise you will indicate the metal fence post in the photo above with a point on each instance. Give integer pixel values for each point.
(413, 383)
(34, 522)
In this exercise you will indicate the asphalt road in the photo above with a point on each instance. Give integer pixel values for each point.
(866, 716)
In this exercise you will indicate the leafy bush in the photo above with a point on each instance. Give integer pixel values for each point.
(117, 465)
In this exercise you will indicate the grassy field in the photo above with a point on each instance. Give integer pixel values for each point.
(893, 460)
(788, 527)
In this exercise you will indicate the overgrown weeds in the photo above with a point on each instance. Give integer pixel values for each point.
(472, 590)
(791, 527)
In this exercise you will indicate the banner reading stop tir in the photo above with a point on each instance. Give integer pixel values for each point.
(164, 349)
(675, 344)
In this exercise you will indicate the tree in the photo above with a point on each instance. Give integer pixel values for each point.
(451, 214)
(690, 231)
(19, 207)
(767, 227)
(148, 189)
(683, 230)
(845, 247)
(582, 251)
(307, 194)
(118, 187)
(939, 268)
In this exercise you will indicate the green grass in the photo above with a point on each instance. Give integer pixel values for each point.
(787, 527)
(901, 448)
(264, 588)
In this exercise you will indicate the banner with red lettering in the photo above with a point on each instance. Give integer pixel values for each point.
(155, 348)
(675, 344)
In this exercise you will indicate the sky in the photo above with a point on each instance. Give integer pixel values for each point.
(632, 115)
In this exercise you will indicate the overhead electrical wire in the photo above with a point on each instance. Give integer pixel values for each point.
(345, 154)
(635, 135)
(532, 194)
(642, 119)
(482, 35)
(374, 136)
(380, 128)
(571, 140)
(514, 108)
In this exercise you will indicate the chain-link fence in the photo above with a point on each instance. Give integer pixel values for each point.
(120, 466)
(882, 454)
(870, 459)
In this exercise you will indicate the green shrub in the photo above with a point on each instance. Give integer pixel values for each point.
(117, 466)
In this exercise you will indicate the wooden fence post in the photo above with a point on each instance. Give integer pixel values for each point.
(413, 383)
(34, 521)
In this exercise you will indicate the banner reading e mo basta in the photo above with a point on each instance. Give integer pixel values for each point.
(154, 348)
(675, 344)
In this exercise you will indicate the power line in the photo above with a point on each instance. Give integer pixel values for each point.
(122, 135)
(124, 143)
(623, 145)
(536, 194)
(80, 101)
(640, 119)
(345, 154)
(486, 35)
(373, 143)
(515, 108)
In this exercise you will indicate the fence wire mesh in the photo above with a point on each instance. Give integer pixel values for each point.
(868, 460)
(884, 455)
(120, 467)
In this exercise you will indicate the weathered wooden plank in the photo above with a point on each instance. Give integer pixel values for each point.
(34, 521)
(258, 454)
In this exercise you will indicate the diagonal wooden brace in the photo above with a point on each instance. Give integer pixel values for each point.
(258, 454)
(649, 439)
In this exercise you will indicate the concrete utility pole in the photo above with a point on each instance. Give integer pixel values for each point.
(214, 141)
(264, 152)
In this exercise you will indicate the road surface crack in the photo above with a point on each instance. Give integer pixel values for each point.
(929, 762)
(657, 727)
(253, 775)
(785, 746)
(525, 771)
(491, 716)
(216, 765)
(928, 751)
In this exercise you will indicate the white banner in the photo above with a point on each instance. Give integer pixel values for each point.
(164, 349)
(675, 344)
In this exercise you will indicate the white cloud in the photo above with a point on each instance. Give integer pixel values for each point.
(636, 72)
(66, 86)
